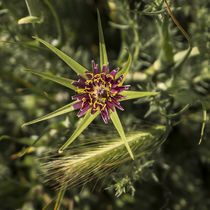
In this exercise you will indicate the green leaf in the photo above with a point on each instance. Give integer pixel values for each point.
(136, 94)
(80, 128)
(63, 110)
(68, 60)
(116, 121)
(102, 46)
(29, 19)
(125, 68)
(60, 80)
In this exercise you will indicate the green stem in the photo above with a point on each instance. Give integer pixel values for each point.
(59, 26)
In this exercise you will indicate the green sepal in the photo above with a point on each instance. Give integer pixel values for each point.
(68, 60)
(63, 110)
(136, 94)
(80, 128)
(125, 68)
(116, 121)
(60, 80)
(102, 46)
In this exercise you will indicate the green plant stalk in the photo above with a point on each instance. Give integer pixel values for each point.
(61, 37)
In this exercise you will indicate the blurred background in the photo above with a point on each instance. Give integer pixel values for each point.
(174, 175)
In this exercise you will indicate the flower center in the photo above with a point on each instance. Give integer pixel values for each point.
(98, 87)
(100, 91)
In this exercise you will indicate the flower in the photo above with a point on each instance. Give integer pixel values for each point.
(101, 91)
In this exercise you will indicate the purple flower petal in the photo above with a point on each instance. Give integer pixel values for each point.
(107, 113)
(84, 109)
(96, 70)
(122, 88)
(82, 79)
(78, 105)
(114, 90)
(105, 69)
(103, 76)
(104, 117)
(114, 72)
(117, 97)
(118, 106)
(109, 78)
(80, 97)
(119, 89)
(110, 105)
(80, 84)
(93, 64)
(89, 75)
(117, 81)
(93, 111)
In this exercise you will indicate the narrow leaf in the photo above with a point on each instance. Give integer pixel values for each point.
(125, 68)
(116, 121)
(68, 60)
(29, 19)
(60, 80)
(136, 94)
(102, 46)
(80, 128)
(63, 110)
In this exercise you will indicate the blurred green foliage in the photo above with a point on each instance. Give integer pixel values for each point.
(173, 176)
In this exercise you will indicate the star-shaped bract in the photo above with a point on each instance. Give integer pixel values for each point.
(99, 91)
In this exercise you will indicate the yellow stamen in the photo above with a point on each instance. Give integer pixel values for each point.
(94, 104)
(90, 74)
(103, 107)
(91, 99)
(109, 75)
(81, 90)
(83, 101)
(88, 81)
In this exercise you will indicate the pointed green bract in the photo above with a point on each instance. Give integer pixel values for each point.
(60, 80)
(80, 128)
(63, 110)
(102, 46)
(116, 121)
(136, 94)
(68, 60)
(125, 69)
